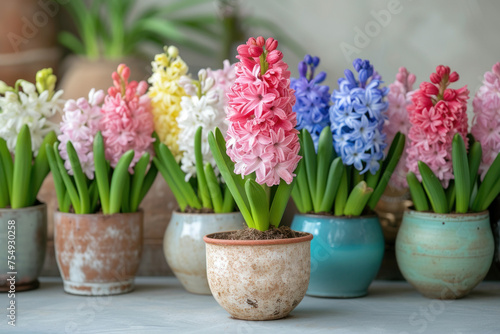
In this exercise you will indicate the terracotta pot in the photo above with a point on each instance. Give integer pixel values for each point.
(258, 279)
(444, 256)
(184, 247)
(346, 253)
(29, 236)
(98, 254)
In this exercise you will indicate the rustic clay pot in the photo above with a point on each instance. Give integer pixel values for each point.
(444, 256)
(258, 279)
(98, 254)
(184, 247)
(30, 241)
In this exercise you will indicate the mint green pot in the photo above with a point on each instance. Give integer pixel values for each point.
(28, 236)
(444, 256)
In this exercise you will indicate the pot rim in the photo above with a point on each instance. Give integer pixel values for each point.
(224, 242)
(35, 207)
(140, 211)
(373, 215)
(204, 214)
(446, 215)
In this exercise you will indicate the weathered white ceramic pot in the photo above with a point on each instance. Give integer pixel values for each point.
(184, 247)
(258, 279)
(98, 254)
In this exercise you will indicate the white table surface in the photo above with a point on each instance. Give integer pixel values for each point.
(161, 305)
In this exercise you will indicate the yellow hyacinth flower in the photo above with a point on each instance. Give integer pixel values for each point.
(166, 94)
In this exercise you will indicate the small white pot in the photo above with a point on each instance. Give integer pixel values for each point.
(184, 247)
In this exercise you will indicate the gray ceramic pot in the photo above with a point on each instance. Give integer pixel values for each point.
(25, 231)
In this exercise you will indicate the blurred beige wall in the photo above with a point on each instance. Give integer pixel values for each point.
(419, 34)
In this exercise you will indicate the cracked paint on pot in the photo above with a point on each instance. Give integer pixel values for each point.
(98, 254)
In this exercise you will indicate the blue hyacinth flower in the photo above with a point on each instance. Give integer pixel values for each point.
(357, 118)
(312, 99)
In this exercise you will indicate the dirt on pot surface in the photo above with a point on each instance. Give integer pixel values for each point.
(283, 232)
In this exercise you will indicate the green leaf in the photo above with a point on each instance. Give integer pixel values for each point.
(228, 205)
(56, 176)
(475, 156)
(451, 195)
(22, 169)
(80, 178)
(356, 201)
(310, 165)
(417, 193)
(178, 177)
(302, 183)
(169, 178)
(71, 42)
(137, 181)
(433, 188)
(118, 182)
(41, 166)
(149, 179)
(461, 173)
(214, 188)
(235, 183)
(125, 197)
(4, 189)
(341, 197)
(259, 204)
(68, 182)
(390, 163)
(94, 196)
(101, 172)
(333, 183)
(280, 201)
(200, 173)
(324, 159)
(8, 164)
(492, 175)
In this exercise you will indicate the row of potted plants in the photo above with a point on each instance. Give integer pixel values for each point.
(234, 145)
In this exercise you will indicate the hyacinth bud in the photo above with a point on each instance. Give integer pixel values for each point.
(443, 70)
(255, 51)
(435, 78)
(116, 77)
(496, 69)
(411, 80)
(260, 41)
(449, 94)
(454, 77)
(271, 44)
(4, 87)
(320, 77)
(202, 74)
(302, 69)
(172, 51)
(243, 50)
(429, 88)
(251, 41)
(274, 56)
(308, 59)
(315, 61)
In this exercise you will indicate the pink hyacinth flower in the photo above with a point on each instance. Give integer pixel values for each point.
(262, 137)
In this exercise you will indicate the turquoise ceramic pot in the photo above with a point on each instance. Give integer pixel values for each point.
(346, 253)
(444, 256)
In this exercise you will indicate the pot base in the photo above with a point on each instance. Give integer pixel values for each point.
(22, 287)
(340, 295)
(99, 289)
(196, 284)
